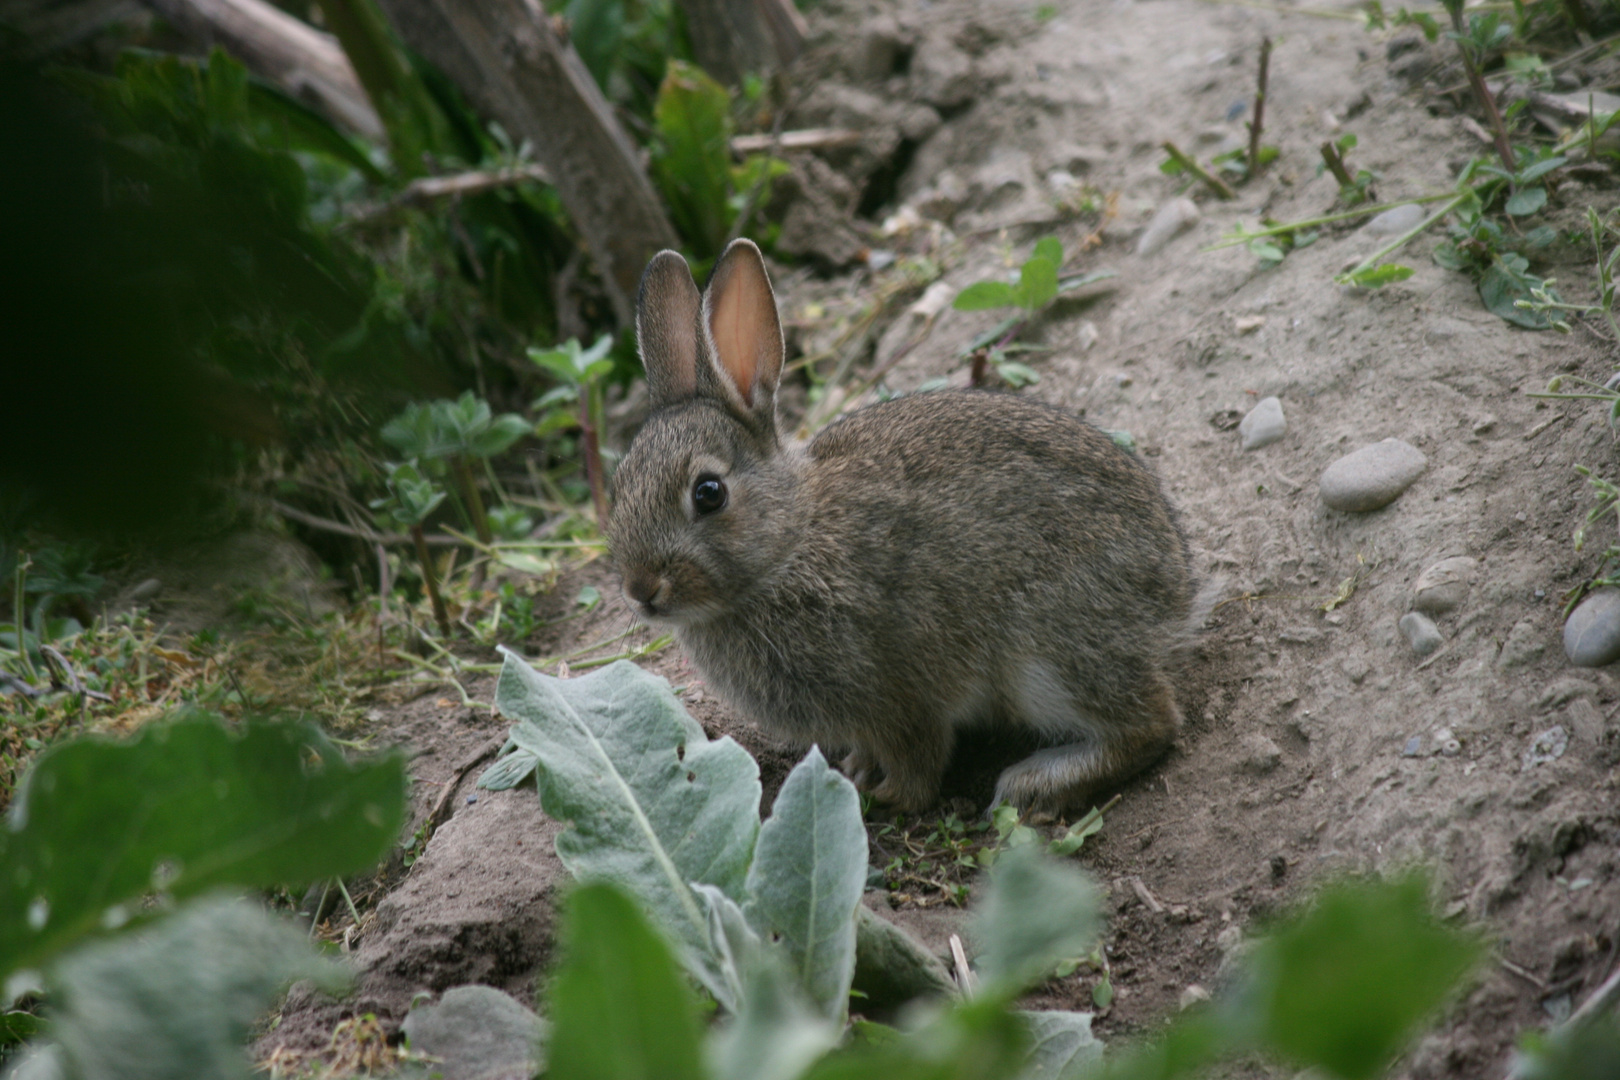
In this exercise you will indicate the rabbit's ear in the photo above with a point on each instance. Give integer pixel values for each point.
(745, 336)
(667, 329)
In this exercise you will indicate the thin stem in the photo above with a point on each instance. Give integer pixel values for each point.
(475, 501)
(1258, 124)
(1482, 93)
(1214, 183)
(23, 563)
(1403, 239)
(430, 580)
(593, 455)
(1335, 165)
(1295, 226)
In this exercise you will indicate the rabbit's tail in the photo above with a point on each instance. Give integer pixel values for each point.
(1189, 633)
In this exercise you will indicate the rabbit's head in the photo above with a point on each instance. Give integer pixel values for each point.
(703, 499)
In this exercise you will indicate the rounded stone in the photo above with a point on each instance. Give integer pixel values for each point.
(1420, 633)
(1592, 634)
(1264, 425)
(1372, 477)
(1444, 586)
(1395, 221)
(1167, 223)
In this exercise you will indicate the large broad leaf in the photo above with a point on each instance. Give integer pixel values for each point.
(185, 806)
(807, 877)
(618, 1007)
(177, 998)
(1036, 912)
(1505, 282)
(652, 804)
(1345, 986)
(976, 1040)
(1063, 1045)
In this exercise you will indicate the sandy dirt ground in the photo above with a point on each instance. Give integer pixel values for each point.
(1316, 742)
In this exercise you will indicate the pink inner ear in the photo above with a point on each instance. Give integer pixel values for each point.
(740, 321)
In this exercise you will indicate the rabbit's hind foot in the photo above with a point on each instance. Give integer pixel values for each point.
(1059, 778)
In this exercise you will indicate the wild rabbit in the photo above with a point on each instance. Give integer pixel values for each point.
(922, 564)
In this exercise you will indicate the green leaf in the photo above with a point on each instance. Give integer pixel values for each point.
(1036, 911)
(417, 432)
(1344, 987)
(1539, 169)
(1346, 142)
(17, 1026)
(1049, 248)
(1062, 1045)
(1037, 284)
(1376, 277)
(179, 998)
(1526, 201)
(1504, 283)
(183, 807)
(499, 435)
(1102, 993)
(1589, 1051)
(1075, 837)
(976, 1040)
(984, 295)
(808, 874)
(618, 1007)
(776, 1034)
(1017, 375)
(1447, 255)
(305, 129)
(692, 162)
(526, 562)
(651, 803)
(1267, 251)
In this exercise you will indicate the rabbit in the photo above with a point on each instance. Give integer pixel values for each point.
(924, 563)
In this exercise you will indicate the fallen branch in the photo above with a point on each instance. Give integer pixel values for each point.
(429, 189)
(1214, 183)
(807, 139)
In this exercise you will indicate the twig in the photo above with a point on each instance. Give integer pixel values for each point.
(428, 189)
(437, 815)
(1258, 123)
(328, 525)
(807, 139)
(965, 979)
(1335, 165)
(1214, 183)
(1528, 976)
(1149, 901)
(1604, 997)
(1482, 94)
(1545, 424)
(72, 676)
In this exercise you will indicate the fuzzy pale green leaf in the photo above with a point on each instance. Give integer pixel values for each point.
(807, 877)
(1036, 912)
(1062, 1045)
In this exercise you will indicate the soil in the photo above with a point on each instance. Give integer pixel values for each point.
(1316, 743)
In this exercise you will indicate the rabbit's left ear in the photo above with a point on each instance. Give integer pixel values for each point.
(744, 334)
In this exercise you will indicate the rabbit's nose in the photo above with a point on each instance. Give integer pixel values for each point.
(641, 586)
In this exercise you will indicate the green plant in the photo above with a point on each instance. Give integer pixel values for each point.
(1543, 302)
(1036, 286)
(412, 497)
(1353, 190)
(109, 837)
(580, 374)
(1377, 19)
(455, 433)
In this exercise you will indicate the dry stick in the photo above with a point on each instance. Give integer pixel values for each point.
(1255, 127)
(328, 525)
(439, 614)
(1214, 183)
(1335, 165)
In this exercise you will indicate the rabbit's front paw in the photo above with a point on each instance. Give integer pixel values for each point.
(861, 768)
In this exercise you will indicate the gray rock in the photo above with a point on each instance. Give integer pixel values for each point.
(1264, 425)
(1413, 747)
(477, 1033)
(1443, 586)
(1258, 753)
(1523, 647)
(1420, 633)
(1372, 477)
(1547, 746)
(1592, 634)
(1395, 221)
(1166, 224)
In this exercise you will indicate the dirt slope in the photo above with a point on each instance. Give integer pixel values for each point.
(1316, 742)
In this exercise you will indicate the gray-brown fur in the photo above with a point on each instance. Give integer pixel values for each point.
(923, 563)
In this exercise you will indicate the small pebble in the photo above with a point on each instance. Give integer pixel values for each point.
(1547, 746)
(1167, 223)
(471, 799)
(1395, 221)
(1264, 425)
(1592, 634)
(1420, 633)
(1484, 424)
(1191, 994)
(1443, 586)
(1413, 747)
(1372, 477)
(1259, 753)
(1086, 335)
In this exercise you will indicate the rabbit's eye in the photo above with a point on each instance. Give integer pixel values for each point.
(708, 495)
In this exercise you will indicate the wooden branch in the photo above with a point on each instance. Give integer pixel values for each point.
(308, 64)
(508, 60)
(807, 139)
(1214, 183)
(429, 189)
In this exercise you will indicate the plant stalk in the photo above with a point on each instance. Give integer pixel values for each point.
(1405, 237)
(1214, 183)
(1335, 165)
(593, 455)
(1482, 93)
(1258, 123)
(1329, 219)
(431, 581)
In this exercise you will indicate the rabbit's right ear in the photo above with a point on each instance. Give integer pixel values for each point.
(667, 328)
